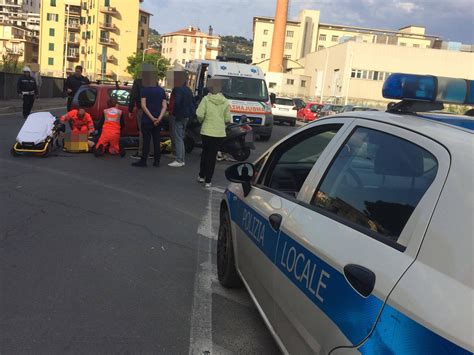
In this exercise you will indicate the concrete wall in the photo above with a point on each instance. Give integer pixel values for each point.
(51, 87)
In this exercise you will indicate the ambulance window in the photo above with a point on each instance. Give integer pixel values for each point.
(86, 97)
(122, 96)
(292, 162)
(375, 183)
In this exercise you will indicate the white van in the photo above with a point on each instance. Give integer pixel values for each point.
(246, 91)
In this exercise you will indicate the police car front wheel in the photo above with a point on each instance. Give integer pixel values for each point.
(226, 271)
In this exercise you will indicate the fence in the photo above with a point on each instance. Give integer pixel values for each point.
(50, 87)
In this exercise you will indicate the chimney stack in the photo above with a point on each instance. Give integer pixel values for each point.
(211, 30)
(278, 41)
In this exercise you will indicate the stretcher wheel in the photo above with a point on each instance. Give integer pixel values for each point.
(13, 152)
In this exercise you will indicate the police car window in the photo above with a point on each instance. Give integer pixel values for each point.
(122, 96)
(375, 183)
(258, 167)
(86, 97)
(293, 161)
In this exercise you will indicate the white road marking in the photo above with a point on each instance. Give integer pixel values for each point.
(200, 339)
(218, 189)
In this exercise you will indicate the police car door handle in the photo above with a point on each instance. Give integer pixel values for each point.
(360, 278)
(275, 221)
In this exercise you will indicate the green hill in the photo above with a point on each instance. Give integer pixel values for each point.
(236, 46)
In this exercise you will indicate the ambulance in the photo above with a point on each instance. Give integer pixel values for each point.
(245, 89)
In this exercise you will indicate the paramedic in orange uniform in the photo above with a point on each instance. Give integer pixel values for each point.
(110, 126)
(80, 120)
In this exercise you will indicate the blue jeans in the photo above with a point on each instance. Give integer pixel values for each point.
(179, 131)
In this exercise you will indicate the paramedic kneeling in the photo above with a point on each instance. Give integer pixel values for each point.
(109, 127)
(80, 121)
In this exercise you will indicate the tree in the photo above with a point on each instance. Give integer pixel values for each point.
(160, 63)
(10, 62)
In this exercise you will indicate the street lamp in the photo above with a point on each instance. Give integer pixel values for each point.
(144, 51)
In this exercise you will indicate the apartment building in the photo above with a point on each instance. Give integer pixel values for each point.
(98, 34)
(19, 30)
(18, 43)
(307, 35)
(190, 43)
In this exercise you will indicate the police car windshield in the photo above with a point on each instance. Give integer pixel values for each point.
(250, 89)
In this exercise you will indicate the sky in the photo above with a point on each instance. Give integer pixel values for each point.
(450, 19)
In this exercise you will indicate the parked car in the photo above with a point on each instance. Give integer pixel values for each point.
(93, 98)
(330, 109)
(285, 110)
(354, 234)
(350, 108)
(310, 112)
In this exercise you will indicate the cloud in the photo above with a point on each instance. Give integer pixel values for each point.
(408, 7)
(449, 19)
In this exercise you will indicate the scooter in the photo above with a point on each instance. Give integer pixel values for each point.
(238, 142)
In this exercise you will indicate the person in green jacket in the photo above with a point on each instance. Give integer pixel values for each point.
(213, 112)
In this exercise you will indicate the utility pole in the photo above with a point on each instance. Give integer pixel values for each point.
(67, 39)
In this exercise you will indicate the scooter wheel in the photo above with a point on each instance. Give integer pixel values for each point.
(242, 154)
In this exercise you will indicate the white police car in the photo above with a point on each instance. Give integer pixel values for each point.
(355, 233)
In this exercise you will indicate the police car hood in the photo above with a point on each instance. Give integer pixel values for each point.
(37, 127)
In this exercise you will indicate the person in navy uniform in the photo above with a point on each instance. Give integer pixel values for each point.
(73, 83)
(27, 89)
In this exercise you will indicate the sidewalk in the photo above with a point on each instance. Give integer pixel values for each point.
(16, 105)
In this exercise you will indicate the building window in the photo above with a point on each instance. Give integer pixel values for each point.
(287, 56)
(51, 46)
(322, 37)
(335, 38)
(52, 17)
(50, 61)
(265, 32)
(320, 48)
(263, 56)
(290, 34)
(272, 85)
(303, 83)
(185, 40)
(288, 45)
(290, 82)
(51, 32)
(144, 20)
(107, 3)
(143, 33)
(403, 44)
(142, 47)
(184, 50)
(416, 45)
(264, 44)
(183, 61)
(53, 3)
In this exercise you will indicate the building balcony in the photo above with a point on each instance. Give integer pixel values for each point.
(213, 48)
(107, 42)
(108, 73)
(74, 27)
(109, 10)
(75, 11)
(73, 41)
(108, 26)
(73, 57)
(110, 59)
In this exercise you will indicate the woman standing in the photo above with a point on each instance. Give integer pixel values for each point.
(153, 102)
(213, 112)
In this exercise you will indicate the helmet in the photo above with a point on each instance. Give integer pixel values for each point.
(26, 69)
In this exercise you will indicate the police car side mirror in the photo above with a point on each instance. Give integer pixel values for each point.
(241, 173)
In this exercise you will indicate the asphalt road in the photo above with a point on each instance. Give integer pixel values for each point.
(99, 257)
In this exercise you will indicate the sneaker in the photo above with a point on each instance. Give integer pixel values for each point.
(220, 156)
(176, 164)
(200, 180)
(208, 185)
(139, 164)
(136, 156)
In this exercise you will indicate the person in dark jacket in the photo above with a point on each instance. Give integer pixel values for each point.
(72, 85)
(27, 88)
(183, 108)
(135, 103)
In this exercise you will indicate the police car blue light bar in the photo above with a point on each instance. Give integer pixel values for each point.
(429, 88)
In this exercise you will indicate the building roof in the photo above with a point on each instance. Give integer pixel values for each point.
(145, 12)
(190, 32)
(367, 30)
(272, 19)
